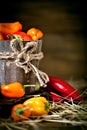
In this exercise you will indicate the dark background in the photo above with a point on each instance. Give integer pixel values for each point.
(64, 24)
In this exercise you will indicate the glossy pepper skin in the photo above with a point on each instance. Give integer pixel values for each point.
(20, 112)
(10, 28)
(1, 36)
(35, 33)
(22, 35)
(38, 105)
(64, 88)
(12, 90)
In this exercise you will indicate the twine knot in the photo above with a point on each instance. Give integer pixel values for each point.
(23, 55)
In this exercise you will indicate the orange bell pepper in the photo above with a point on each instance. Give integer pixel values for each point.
(1, 36)
(20, 112)
(35, 33)
(15, 89)
(12, 90)
(10, 28)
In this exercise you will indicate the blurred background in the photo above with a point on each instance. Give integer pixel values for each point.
(64, 24)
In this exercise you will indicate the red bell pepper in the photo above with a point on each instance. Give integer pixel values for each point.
(17, 35)
(22, 35)
(64, 88)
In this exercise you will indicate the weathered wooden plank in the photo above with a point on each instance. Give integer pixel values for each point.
(9, 72)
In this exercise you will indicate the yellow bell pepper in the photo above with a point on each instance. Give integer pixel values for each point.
(38, 105)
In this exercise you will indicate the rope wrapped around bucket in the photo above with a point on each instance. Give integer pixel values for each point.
(23, 54)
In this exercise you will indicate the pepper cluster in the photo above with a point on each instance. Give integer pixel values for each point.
(9, 31)
(58, 89)
(35, 106)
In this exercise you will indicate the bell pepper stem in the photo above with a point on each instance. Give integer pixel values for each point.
(19, 112)
(36, 86)
(29, 85)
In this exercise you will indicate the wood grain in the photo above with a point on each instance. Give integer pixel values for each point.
(64, 43)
